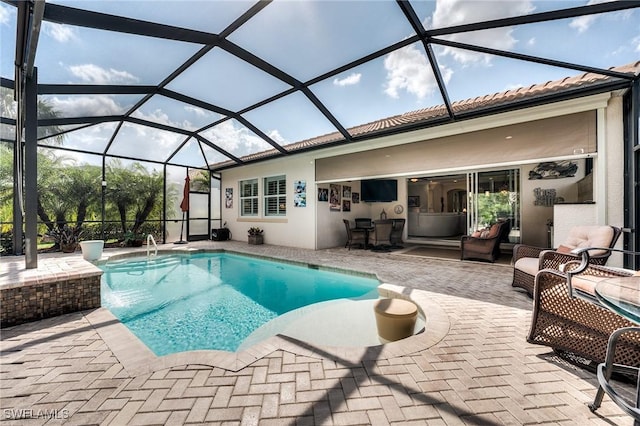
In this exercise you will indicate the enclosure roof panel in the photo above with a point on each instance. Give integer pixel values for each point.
(225, 83)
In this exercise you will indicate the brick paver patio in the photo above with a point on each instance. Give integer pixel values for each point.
(83, 369)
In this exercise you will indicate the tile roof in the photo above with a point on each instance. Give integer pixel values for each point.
(438, 113)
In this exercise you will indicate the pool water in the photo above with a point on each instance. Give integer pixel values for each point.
(200, 301)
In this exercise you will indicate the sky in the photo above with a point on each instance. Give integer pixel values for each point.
(305, 39)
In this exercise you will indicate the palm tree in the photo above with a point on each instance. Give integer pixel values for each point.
(66, 192)
(135, 193)
(201, 181)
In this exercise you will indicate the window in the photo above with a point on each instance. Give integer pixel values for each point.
(275, 199)
(249, 197)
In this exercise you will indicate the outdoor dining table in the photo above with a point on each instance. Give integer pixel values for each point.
(621, 295)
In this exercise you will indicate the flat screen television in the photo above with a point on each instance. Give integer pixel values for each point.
(379, 190)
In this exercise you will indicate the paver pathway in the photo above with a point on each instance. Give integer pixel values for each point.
(61, 370)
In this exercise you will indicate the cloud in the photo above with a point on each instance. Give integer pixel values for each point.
(457, 12)
(155, 116)
(277, 137)
(582, 23)
(408, 69)
(5, 13)
(160, 116)
(83, 106)
(197, 111)
(93, 74)
(235, 138)
(351, 79)
(636, 41)
(163, 141)
(93, 138)
(59, 32)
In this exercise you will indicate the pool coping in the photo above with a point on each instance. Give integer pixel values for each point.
(191, 251)
(136, 358)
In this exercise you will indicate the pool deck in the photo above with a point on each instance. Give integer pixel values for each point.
(472, 365)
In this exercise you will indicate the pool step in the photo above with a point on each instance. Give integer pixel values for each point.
(142, 265)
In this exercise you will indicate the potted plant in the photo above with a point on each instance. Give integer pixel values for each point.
(255, 235)
(66, 237)
(134, 239)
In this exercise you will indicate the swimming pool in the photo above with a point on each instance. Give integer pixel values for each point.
(183, 302)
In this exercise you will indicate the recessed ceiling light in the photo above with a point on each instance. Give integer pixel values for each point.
(509, 137)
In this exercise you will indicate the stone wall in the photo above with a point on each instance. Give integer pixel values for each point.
(34, 301)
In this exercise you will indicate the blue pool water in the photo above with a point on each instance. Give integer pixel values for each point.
(178, 303)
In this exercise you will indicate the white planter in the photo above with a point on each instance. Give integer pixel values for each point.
(92, 249)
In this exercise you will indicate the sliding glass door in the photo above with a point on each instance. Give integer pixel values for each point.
(493, 196)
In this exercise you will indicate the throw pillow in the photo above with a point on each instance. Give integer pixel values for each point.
(493, 231)
(637, 274)
(563, 249)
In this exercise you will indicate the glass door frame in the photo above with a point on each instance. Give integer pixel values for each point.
(501, 200)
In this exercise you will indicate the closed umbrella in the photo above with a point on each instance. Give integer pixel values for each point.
(184, 206)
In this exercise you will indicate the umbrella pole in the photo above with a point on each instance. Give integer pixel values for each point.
(181, 229)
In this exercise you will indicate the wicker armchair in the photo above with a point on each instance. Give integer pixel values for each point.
(528, 260)
(568, 318)
(484, 247)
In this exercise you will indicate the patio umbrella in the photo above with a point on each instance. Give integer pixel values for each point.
(184, 206)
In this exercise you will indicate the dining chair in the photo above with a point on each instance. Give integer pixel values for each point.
(380, 237)
(396, 233)
(355, 236)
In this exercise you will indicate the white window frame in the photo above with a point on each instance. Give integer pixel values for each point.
(252, 198)
(280, 195)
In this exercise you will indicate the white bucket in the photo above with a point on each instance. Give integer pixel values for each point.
(92, 249)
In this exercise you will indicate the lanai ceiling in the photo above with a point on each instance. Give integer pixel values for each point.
(222, 83)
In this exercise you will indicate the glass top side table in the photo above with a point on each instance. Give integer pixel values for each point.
(621, 295)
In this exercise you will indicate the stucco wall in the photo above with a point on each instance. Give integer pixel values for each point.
(315, 226)
(534, 217)
(296, 229)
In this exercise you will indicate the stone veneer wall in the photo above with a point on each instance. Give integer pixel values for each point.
(34, 301)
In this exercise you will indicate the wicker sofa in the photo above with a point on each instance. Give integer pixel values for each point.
(567, 317)
(528, 260)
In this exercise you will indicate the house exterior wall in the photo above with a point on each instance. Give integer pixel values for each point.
(608, 182)
(296, 229)
(316, 226)
(544, 138)
(534, 217)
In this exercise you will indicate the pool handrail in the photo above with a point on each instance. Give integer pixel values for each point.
(155, 246)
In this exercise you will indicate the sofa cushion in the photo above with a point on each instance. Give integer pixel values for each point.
(587, 283)
(527, 265)
(590, 236)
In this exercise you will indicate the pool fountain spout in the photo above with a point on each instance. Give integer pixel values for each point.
(150, 240)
